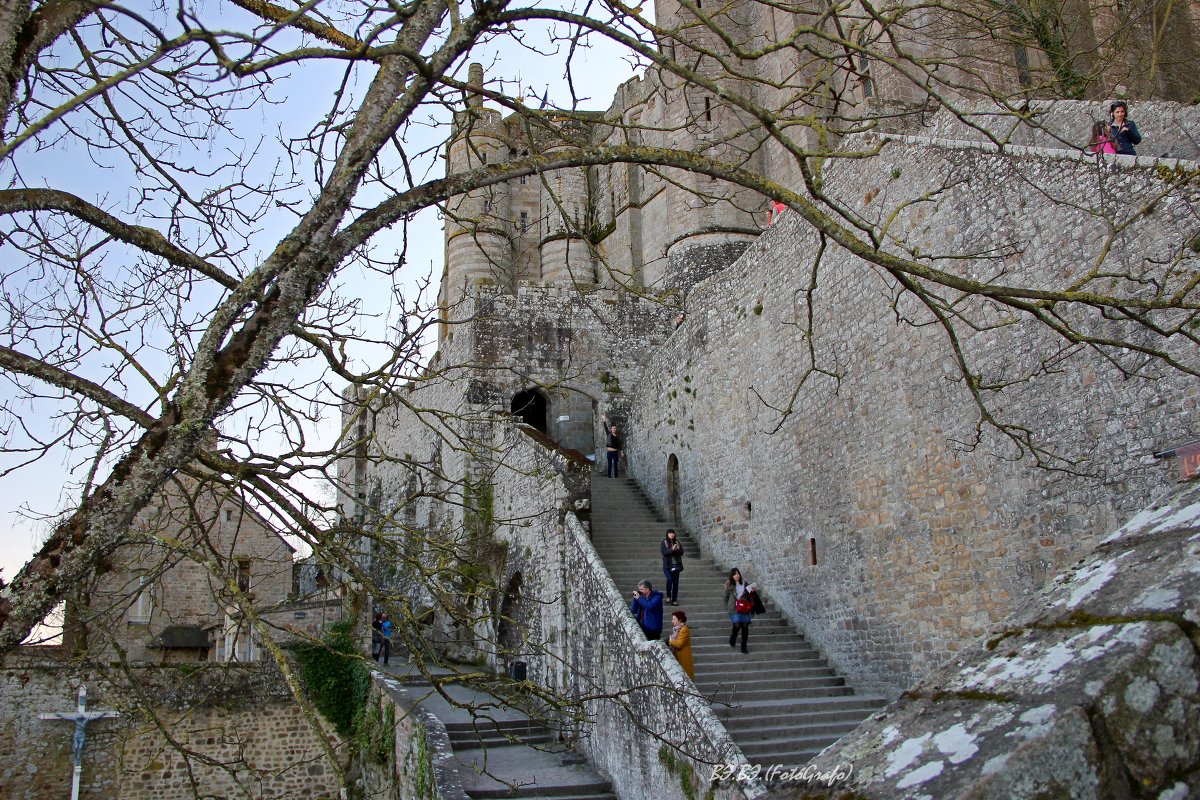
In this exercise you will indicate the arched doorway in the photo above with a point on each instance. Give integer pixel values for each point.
(673, 488)
(508, 636)
(530, 405)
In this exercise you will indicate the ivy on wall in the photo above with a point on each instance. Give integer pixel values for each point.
(334, 676)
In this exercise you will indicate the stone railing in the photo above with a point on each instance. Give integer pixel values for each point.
(418, 761)
(651, 732)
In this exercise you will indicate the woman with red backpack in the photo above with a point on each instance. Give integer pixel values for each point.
(739, 602)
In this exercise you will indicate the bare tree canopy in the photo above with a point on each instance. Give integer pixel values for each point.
(191, 193)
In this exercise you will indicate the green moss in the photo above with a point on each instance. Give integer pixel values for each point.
(334, 676)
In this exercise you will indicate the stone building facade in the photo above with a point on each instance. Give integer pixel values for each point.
(180, 589)
(863, 495)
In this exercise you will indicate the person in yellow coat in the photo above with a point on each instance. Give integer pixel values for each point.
(681, 643)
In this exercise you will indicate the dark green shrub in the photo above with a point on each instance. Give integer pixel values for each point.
(334, 676)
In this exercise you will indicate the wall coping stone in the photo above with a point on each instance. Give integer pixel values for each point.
(441, 752)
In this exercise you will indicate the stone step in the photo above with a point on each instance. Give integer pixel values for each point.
(731, 671)
(781, 700)
(763, 709)
(772, 724)
(742, 696)
(747, 682)
(515, 771)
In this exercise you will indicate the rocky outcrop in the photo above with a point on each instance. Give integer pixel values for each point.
(1092, 691)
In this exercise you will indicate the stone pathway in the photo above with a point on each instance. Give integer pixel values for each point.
(781, 703)
(500, 752)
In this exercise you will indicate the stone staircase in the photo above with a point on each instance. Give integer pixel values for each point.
(503, 753)
(781, 703)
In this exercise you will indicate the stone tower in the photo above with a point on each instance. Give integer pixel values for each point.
(478, 227)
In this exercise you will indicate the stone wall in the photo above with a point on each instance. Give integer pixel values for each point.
(923, 538)
(419, 764)
(649, 733)
(1091, 690)
(1168, 129)
(559, 614)
(236, 729)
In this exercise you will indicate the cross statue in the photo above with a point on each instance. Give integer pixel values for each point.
(81, 717)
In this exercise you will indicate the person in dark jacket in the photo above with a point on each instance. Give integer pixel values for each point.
(377, 636)
(612, 451)
(672, 564)
(1123, 132)
(647, 608)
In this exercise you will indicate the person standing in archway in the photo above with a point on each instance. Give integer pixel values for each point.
(613, 447)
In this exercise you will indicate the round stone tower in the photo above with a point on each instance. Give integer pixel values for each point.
(478, 223)
(711, 221)
(566, 212)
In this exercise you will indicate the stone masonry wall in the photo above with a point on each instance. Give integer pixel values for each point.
(1168, 129)
(647, 733)
(1091, 690)
(921, 541)
(242, 733)
(420, 764)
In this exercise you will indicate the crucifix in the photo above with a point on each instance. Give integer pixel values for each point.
(81, 717)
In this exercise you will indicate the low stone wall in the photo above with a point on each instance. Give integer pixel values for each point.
(647, 730)
(1092, 691)
(235, 731)
(417, 760)
(1168, 129)
(650, 731)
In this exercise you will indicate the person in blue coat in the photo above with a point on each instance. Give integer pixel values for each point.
(647, 608)
(385, 631)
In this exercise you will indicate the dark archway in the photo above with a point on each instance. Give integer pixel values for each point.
(508, 636)
(673, 488)
(530, 405)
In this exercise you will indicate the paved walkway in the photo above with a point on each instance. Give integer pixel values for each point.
(499, 750)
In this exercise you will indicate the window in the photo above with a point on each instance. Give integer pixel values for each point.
(524, 221)
(229, 515)
(242, 575)
(864, 70)
(522, 180)
(866, 82)
(707, 110)
(143, 604)
(237, 644)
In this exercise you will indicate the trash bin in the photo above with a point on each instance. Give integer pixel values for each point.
(518, 670)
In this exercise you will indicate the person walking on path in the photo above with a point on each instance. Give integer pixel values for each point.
(613, 447)
(1122, 132)
(739, 602)
(672, 565)
(385, 630)
(647, 608)
(681, 643)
